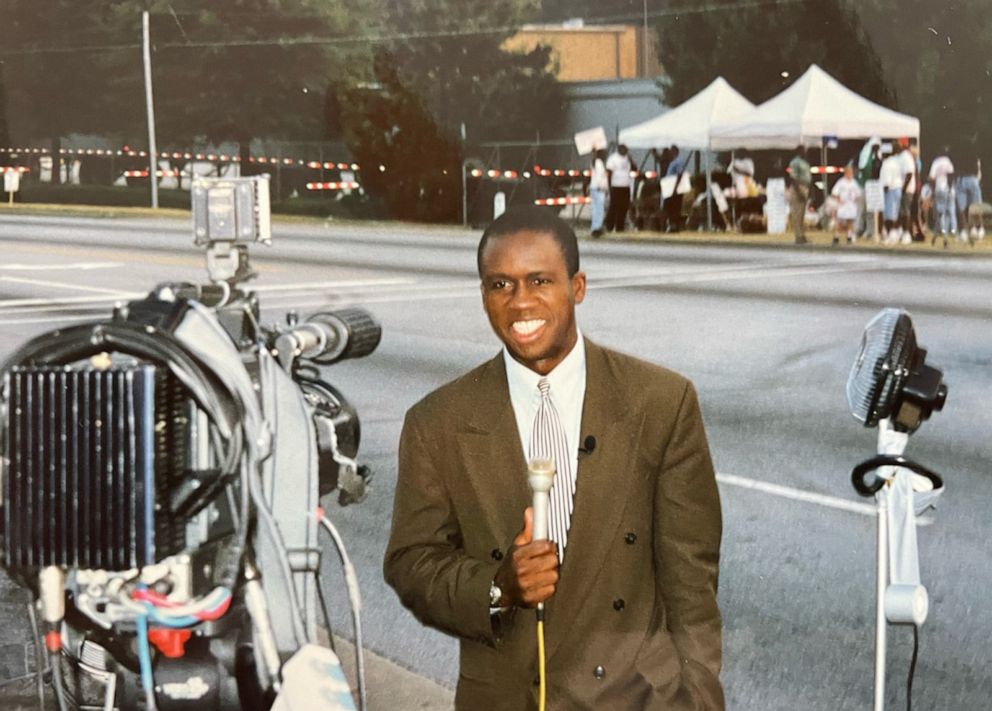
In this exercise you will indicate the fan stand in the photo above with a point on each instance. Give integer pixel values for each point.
(900, 598)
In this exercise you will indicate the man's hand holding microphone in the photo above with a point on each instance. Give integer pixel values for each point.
(529, 574)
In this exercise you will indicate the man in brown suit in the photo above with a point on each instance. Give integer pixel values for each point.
(631, 617)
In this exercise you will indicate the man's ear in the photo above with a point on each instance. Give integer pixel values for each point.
(579, 286)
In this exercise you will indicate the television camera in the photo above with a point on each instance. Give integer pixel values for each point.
(162, 471)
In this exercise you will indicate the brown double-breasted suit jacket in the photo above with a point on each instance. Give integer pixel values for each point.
(633, 623)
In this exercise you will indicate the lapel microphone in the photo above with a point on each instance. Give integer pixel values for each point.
(588, 445)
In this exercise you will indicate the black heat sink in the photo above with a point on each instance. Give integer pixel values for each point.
(90, 454)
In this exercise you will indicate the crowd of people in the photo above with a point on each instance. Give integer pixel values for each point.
(909, 199)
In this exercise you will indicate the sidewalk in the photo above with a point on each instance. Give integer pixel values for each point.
(817, 240)
(390, 687)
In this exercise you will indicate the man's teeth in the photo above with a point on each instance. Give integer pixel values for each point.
(525, 328)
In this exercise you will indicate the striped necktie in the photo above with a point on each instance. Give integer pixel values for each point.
(547, 441)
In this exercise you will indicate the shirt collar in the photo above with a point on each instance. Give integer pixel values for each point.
(566, 376)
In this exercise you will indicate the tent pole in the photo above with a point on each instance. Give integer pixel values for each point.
(823, 165)
(733, 205)
(709, 194)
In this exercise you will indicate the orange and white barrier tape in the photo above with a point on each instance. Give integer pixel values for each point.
(333, 186)
(563, 201)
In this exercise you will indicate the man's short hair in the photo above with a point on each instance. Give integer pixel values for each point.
(533, 219)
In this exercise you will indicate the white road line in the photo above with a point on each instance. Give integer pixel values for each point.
(266, 288)
(46, 303)
(52, 319)
(82, 266)
(789, 492)
(809, 497)
(60, 285)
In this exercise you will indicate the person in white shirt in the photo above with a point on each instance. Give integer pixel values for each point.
(892, 178)
(599, 186)
(618, 167)
(945, 218)
(848, 194)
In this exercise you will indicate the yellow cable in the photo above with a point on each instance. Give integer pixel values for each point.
(540, 662)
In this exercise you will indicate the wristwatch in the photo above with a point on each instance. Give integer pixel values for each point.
(495, 594)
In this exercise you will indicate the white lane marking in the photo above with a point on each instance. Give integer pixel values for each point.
(81, 266)
(789, 492)
(740, 273)
(51, 319)
(47, 304)
(809, 497)
(346, 284)
(60, 285)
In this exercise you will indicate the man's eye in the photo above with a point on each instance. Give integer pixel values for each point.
(541, 281)
(498, 284)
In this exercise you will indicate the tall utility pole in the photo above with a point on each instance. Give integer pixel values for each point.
(644, 45)
(150, 110)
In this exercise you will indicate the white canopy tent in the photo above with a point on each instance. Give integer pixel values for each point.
(814, 107)
(689, 124)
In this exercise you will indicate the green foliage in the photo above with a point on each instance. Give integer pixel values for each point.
(751, 46)
(223, 71)
(443, 69)
(930, 59)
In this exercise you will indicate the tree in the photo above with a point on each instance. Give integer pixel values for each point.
(931, 60)
(228, 71)
(761, 48)
(440, 69)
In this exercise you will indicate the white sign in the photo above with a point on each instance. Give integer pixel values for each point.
(668, 185)
(721, 200)
(11, 181)
(499, 204)
(776, 208)
(589, 140)
(874, 196)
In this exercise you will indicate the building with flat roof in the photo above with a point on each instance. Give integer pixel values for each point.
(583, 52)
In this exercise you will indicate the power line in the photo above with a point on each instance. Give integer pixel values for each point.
(310, 40)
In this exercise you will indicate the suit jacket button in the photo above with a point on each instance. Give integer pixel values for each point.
(599, 672)
(537, 681)
(497, 554)
(618, 604)
(630, 538)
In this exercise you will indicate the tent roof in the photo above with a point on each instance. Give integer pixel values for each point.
(688, 125)
(814, 106)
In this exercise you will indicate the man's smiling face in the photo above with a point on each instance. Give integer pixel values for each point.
(530, 298)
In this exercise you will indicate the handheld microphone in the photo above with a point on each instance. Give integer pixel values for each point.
(540, 476)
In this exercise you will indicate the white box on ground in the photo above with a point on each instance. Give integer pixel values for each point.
(776, 207)
(312, 680)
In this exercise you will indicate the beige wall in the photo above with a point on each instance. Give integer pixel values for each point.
(590, 53)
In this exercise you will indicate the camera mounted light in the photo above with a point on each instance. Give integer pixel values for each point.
(228, 215)
(890, 378)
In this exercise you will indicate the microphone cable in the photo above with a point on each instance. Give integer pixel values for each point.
(541, 672)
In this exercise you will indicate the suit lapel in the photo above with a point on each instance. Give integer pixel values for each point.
(601, 493)
(494, 462)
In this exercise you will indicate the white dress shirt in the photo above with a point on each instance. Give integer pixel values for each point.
(568, 392)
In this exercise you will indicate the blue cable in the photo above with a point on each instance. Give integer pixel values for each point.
(144, 656)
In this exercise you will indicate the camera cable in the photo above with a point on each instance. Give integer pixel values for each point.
(354, 598)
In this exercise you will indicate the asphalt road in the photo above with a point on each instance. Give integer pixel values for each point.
(767, 334)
